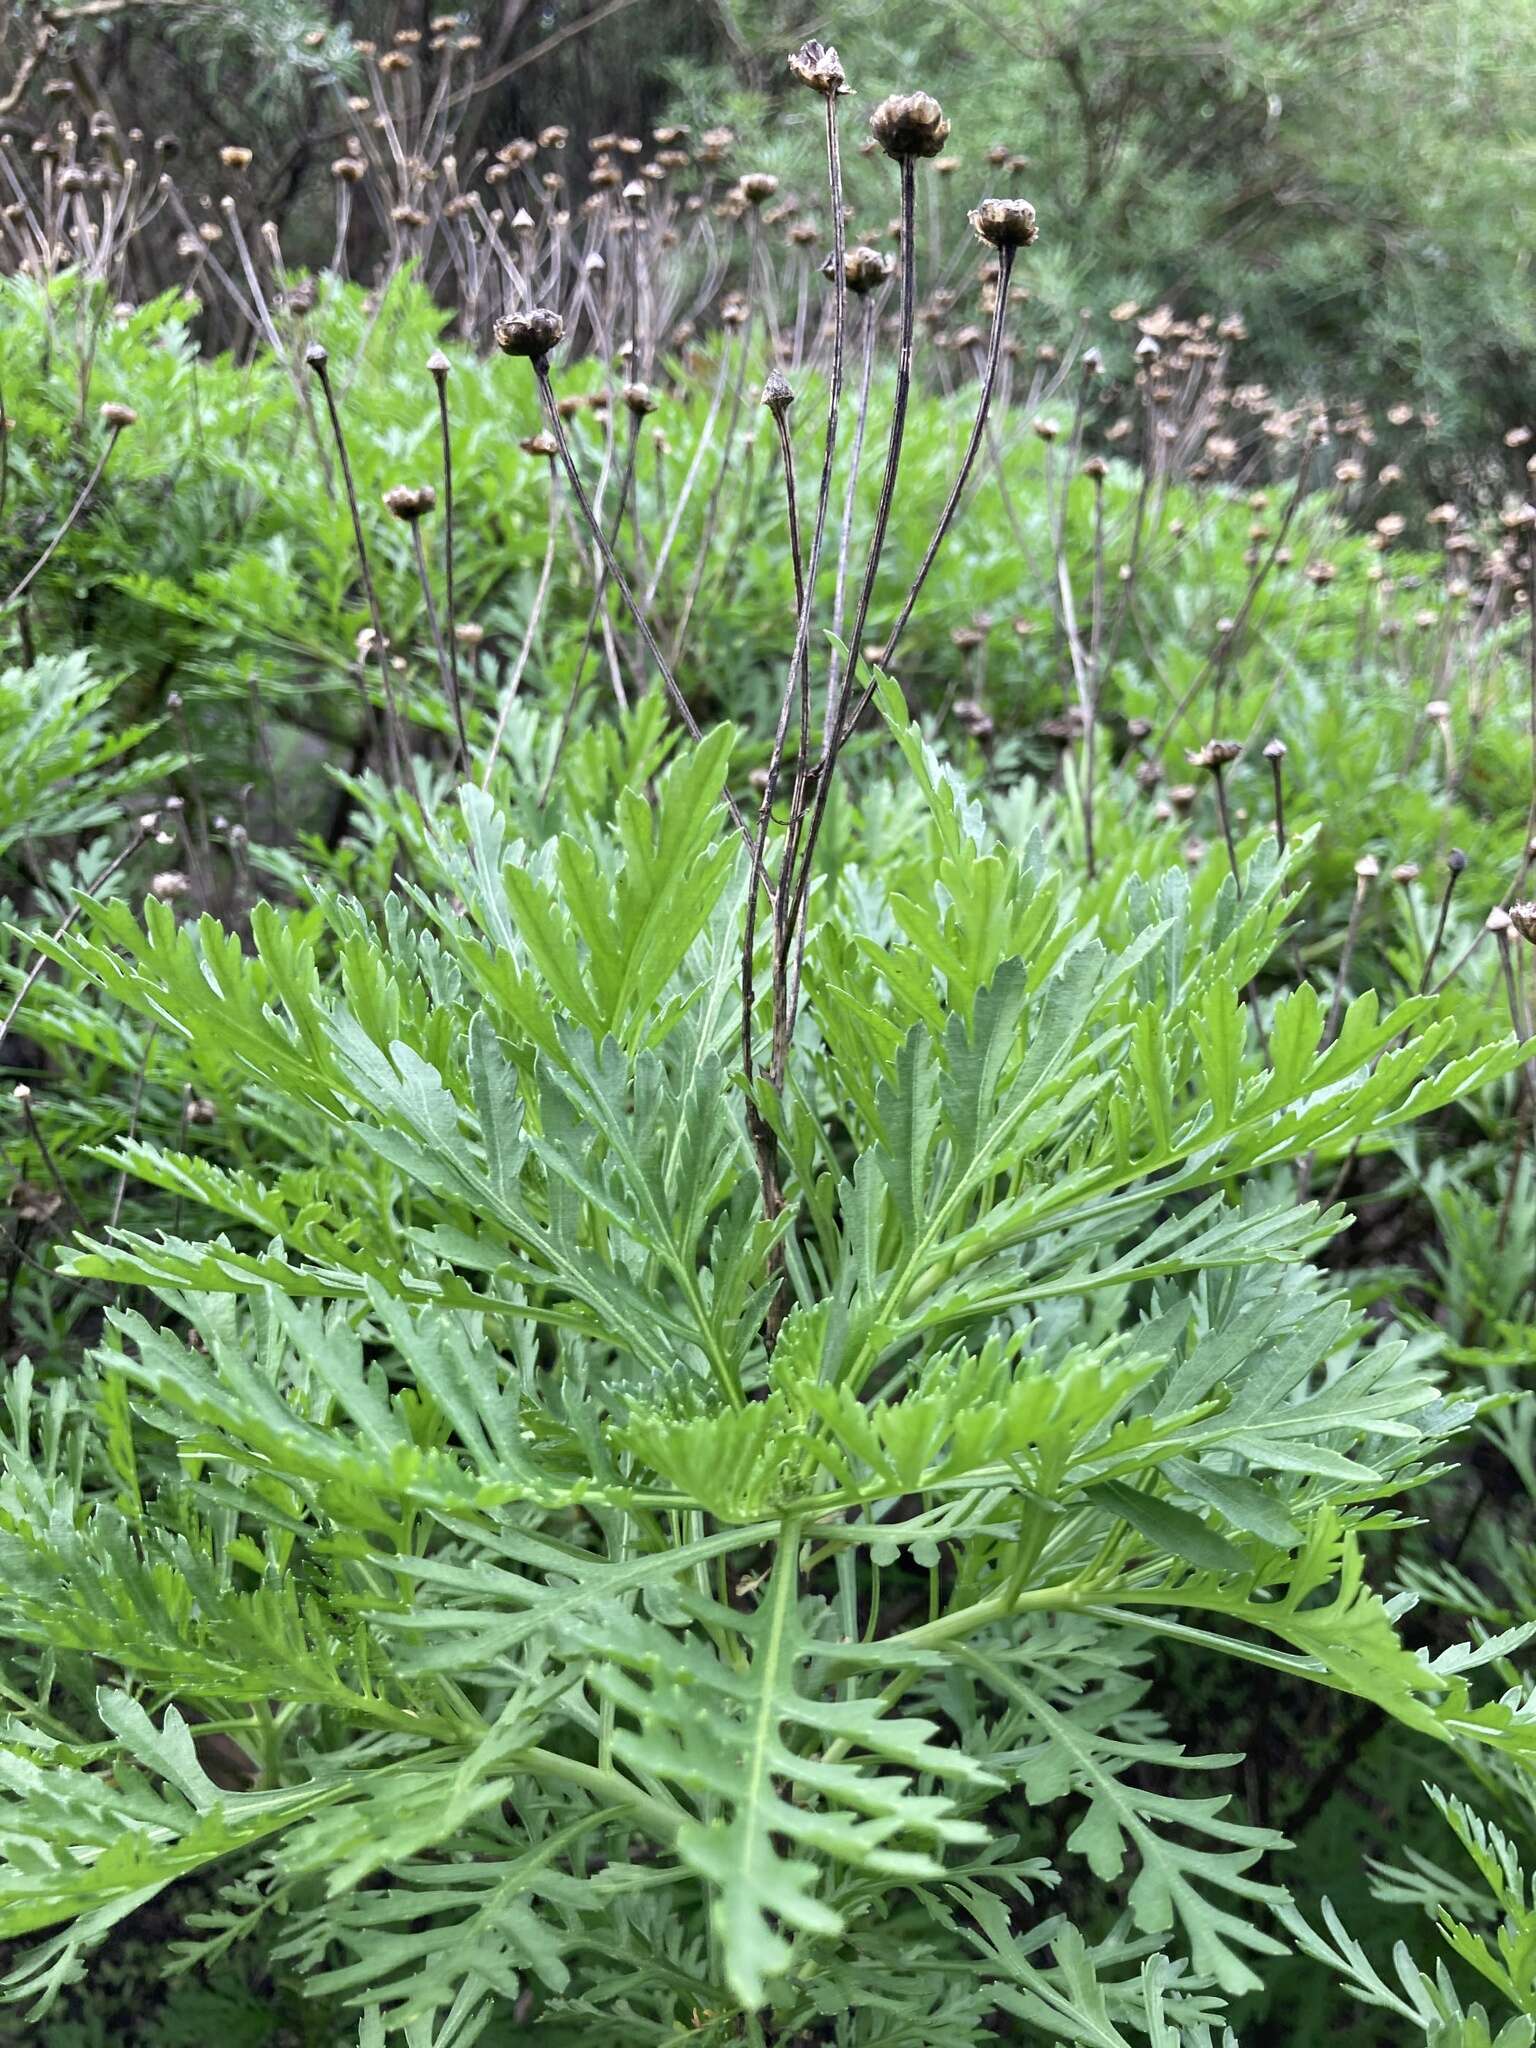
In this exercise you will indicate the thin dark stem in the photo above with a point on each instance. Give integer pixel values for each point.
(850, 489)
(947, 516)
(796, 884)
(621, 582)
(50, 1164)
(60, 931)
(1278, 774)
(71, 516)
(599, 593)
(796, 686)
(1351, 936)
(514, 683)
(1457, 863)
(318, 364)
(791, 504)
(1216, 661)
(1223, 812)
(440, 378)
(444, 668)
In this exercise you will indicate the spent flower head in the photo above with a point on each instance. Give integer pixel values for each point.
(533, 333)
(909, 124)
(1005, 223)
(410, 502)
(819, 66)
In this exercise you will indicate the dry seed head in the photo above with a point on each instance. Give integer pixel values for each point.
(1406, 873)
(410, 502)
(640, 399)
(348, 170)
(864, 269)
(169, 883)
(531, 334)
(1005, 223)
(438, 364)
(819, 66)
(1215, 754)
(117, 416)
(1523, 917)
(777, 395)
(539, 444)
(1275, 750)
(909, 124)
(758, 186)
(1367, 868)
(235, 157)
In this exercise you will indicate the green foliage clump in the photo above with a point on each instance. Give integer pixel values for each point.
(505, 1619)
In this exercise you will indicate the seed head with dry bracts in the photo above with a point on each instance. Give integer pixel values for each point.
(533, 334)
(818, 66)
(1005, 223)
(909, 124)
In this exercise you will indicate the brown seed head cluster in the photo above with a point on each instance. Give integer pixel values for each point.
(1523, 917)
(1005, 223)
(909, 124)
(531, 334)
(1215, 754)
(410, 502)
(864, 269)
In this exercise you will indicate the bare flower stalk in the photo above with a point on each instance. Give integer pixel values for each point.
(1456, 862)
(796, 884)
(1228, 638)
(438, 367)
(1274, 754)
(319, 362)
(142, 830)
(514, 681)
(1366, 871)
(957, 489)
(595, 611)
(117, 417)
(796, 688)
(445, 668)
(540, 366)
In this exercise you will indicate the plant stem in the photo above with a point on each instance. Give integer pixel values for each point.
(444, 669)
(318, 363)
(71, 516)
(578, 490)
(439, 368)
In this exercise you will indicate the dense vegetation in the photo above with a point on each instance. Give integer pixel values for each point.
(770, 1230)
